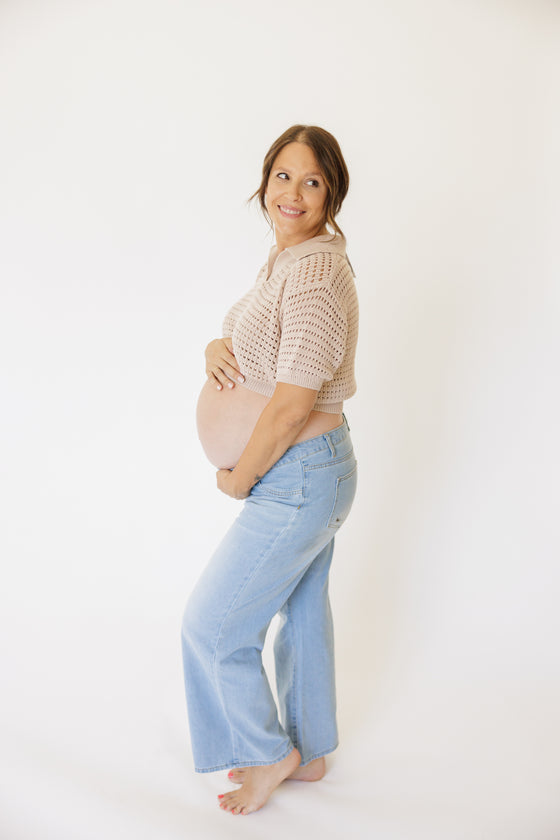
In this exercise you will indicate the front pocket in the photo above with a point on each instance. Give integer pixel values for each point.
(284, 480)
(344, 496)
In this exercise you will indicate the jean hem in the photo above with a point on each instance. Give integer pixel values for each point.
(239, 763)
(319, 755)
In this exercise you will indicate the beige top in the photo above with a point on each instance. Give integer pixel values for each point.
(299, 323)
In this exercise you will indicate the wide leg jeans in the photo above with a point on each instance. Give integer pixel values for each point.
(275, 558)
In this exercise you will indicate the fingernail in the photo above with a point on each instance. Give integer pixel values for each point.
(230, 774)
(221, 795)
(241, 379)
(230, 384)
(219, 387)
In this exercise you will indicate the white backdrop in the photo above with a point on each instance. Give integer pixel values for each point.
(132, 132)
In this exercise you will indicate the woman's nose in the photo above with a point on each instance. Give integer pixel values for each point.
(293, 191)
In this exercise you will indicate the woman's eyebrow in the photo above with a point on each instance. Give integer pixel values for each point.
(309, 174)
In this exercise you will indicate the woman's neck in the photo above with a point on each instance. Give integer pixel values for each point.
(288, 242)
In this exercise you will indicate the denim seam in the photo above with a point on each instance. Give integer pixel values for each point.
(339, 480)
(249, 577)
(281, 494)
(293, 716)
(330, 463)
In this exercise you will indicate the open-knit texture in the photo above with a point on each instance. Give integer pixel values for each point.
(299, 325)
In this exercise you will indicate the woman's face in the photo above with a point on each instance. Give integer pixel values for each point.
(295, 196)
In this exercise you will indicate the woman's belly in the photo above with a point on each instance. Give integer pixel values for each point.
(225, 421)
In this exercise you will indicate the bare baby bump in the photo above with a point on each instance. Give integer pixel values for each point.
(225, 421)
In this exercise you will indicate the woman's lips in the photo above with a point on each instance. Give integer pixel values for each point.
(290, 212)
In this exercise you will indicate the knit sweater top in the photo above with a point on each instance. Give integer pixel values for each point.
(299, 323)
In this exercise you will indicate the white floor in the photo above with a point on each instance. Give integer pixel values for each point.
(95, 745)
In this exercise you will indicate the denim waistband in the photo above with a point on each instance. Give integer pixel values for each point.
(328, 440)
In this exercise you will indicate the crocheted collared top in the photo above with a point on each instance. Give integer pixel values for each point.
(299, 323)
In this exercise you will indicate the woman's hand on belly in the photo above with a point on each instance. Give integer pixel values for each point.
(221, 365)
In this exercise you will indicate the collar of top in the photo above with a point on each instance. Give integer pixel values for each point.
(326, 242)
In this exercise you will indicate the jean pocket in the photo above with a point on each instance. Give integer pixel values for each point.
(284, 481)
(343, 498)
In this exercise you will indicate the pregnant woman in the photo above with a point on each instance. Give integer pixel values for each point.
(270, 419)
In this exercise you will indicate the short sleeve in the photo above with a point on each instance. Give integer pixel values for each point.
(314, 325)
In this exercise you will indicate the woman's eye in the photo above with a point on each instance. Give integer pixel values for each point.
(282, 175)
(313, 182)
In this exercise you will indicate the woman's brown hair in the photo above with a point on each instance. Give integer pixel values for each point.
(329, 157)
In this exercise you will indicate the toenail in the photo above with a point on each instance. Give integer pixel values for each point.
(221, 795)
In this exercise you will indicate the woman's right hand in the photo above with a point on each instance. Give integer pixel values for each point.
(221, 364)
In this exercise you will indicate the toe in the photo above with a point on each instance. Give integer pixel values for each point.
(227, 801)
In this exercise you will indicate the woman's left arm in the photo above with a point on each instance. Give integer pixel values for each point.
(278, 426)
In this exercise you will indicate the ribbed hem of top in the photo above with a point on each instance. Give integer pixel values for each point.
(329, 408)
(267, 390)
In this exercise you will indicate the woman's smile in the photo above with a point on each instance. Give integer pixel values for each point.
(290, 212)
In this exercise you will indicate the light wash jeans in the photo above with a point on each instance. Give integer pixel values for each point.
(275, 558)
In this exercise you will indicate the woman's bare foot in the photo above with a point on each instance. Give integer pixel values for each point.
(312, 772)
(257, 785)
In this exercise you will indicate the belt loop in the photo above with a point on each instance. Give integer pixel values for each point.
(346, 420)
(330, 444)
